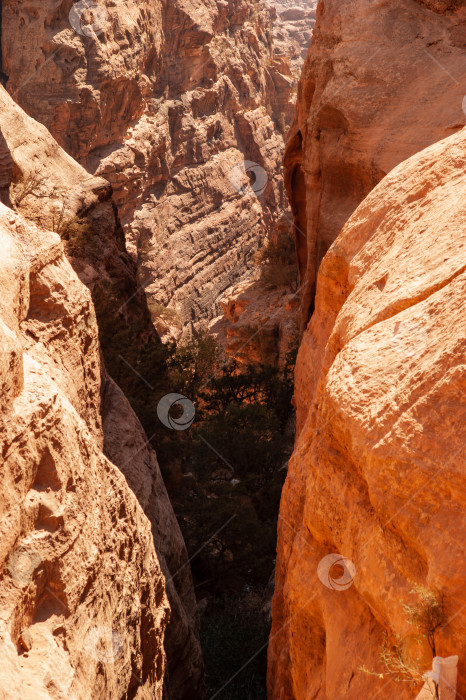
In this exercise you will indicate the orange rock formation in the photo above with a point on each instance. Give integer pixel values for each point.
(382, 80)
(377, 474)
(165, 100)
(82, 595)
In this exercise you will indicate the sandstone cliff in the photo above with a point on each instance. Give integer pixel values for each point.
(293, 29)
(167, 101)
(48, 187)
(377, 475)
(381, 81)
(82, 594)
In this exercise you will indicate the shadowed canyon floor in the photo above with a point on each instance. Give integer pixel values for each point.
(163, 304)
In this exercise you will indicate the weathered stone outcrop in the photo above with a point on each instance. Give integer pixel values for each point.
(293, 29)
(377, 475)
(165, 100)
(381, 81)
(60, 194)
(82, 595)
(259, 323)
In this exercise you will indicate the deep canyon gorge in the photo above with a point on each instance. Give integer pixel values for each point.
(232, 349)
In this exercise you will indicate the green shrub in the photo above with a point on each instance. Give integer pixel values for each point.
(167, 314)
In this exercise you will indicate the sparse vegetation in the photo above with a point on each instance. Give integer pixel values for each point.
(26, 185)
(78, 234)
(427, 615)
(224, 475)
(167, 314)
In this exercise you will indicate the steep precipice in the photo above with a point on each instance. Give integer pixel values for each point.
(165, 100)
(50, 189)
(376, 480)
(381, 81)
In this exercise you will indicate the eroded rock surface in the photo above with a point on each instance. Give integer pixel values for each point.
(381, 81)
(259, 323)
(82, 595)
(79, 206)
(165, 101)
(377, 475)
(293, 29)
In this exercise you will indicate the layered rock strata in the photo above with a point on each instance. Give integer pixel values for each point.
(167, 101)
(49, 188)
(381, 81)
(373, 505)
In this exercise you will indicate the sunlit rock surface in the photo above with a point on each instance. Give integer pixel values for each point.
(382, 80)
(377, 475)
(165, 100)
(63, 193)
(83, 608)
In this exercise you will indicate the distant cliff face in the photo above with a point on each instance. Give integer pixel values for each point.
(293, 29)
(381, 82)
(376, 479)
(50, 189)
(168, 101)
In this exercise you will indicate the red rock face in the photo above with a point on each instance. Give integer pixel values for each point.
(377, 474)
(259, 323)
(381, 82)
(293, 30)
(165, 101)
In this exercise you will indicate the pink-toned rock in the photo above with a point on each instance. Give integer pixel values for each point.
(293, 30)
(64, 193)
(382, 80)
(259, 323)
(377, 474)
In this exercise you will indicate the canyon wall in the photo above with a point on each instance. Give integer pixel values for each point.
(382, 80)
(167, 101)
(64, 198)
(373, 505)
(376, 480)
(82, 594)
(293, 29)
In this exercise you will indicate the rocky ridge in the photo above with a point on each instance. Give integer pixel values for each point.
(82, 594)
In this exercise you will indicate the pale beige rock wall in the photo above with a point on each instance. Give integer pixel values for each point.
(83, 607)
